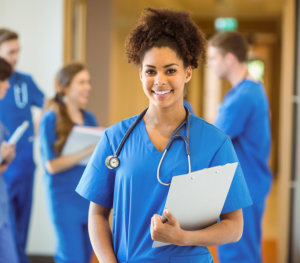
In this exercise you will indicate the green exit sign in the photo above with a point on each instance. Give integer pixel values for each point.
(223, 24)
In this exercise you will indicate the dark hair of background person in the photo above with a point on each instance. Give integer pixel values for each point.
(166, 28)
(231, 42)
(64, 123)
(7, 35)
(5, 70)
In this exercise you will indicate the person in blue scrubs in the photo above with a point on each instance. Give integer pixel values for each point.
(244, 116)
(8, 251)
(21, 96)
(166, 45)
(68, 210)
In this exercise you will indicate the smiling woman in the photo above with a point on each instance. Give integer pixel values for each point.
(166, 45)
(68, 210)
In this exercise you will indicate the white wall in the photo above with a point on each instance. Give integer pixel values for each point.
(40, 26)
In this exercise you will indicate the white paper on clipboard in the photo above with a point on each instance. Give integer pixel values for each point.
(82, 137)
(18, 133)
(196, 199)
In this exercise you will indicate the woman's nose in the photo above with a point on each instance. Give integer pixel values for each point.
(159, 81)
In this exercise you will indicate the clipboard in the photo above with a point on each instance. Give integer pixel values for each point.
(197, 199)
(18, 133)
(80, 138)
(15, 137)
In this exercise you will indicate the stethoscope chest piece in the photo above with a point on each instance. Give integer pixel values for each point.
(112, 162)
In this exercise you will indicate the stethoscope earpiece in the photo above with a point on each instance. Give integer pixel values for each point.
(112, 162)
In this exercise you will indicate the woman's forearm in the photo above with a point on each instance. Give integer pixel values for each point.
(100, 235)
(62, 163)
(228, 230)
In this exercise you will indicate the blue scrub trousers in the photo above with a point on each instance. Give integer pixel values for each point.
(69, 215)
(20, 197)
(8, 251)
(73, 243)
(248, 249)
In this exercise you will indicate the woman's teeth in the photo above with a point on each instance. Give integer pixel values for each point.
(162, 92)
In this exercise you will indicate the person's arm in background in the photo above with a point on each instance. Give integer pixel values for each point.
(7, 153)
(100, 233)
(62, 163)
(38, 100)
(3, 168)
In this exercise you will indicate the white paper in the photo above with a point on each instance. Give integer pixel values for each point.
(18, 133)
(80, 138)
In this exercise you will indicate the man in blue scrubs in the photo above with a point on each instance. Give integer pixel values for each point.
(244, 116)
(22, 94)
(8, 252)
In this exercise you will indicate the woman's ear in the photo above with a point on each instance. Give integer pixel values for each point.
(188, 74)
(141, 72)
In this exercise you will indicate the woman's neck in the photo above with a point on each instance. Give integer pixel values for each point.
(74, 112)
(168, 118)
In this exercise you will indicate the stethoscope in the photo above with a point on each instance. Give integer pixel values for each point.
(113, 161)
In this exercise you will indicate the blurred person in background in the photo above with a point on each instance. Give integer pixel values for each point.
(244, 116)
(8, 251)
(21, 96)
(68, 210)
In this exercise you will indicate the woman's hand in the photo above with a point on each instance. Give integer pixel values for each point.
(7, 152)
(228, 230)
(3, 168)
(168, 232)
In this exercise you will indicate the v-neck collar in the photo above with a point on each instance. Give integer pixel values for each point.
(147, 140)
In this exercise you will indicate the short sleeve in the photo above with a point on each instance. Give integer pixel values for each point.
(47, 136)
(234, 113)
(238, 195)
(37, 96)
(97, 181)
(90, 119)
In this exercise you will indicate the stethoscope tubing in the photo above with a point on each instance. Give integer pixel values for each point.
(113, 161)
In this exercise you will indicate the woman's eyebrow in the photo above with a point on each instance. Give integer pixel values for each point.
(166, 66)
(169, 65)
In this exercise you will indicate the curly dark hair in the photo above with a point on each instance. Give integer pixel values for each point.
(5, 70)
(167, 28)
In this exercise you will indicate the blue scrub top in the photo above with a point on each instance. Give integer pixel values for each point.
(134, 193)
(188, 105)
(244, 116)
(48, 137)
(4, 213)
(21, 95)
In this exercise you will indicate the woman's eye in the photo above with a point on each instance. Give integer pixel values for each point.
(171, 71)
(150, 72)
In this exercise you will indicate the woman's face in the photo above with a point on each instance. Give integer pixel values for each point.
(78, 90)
(163, 77)
(4, 85)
